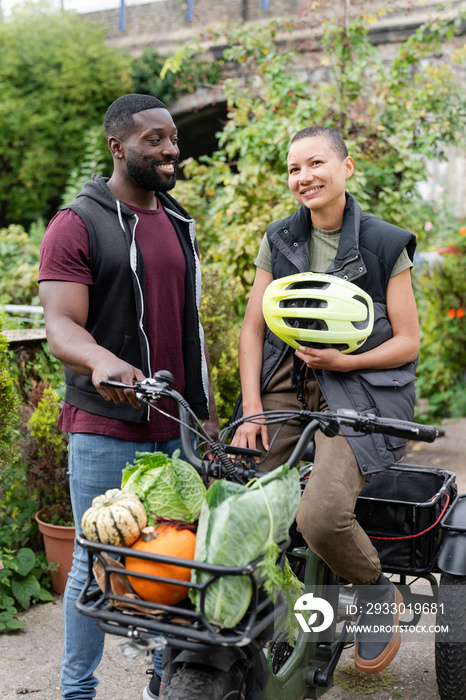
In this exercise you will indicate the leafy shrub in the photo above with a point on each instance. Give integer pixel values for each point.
(44, 452)
(441, 294)
(19, 266)
(32, 469)
(33, 363)
(55, 87)
(9, 403)
(221, 328)
(96, 159)
(191, 75)
(22, 575)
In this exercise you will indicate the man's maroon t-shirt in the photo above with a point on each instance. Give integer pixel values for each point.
(65, 257)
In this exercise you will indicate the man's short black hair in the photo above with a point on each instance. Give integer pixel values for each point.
(119, 120)
(333, 137)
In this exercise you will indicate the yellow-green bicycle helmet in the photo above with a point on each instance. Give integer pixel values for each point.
(318, 310)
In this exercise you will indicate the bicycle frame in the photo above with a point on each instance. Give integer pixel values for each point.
(307, 671)
(309, 665)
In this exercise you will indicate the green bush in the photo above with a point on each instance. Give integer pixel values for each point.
(9, 403)
(58, 77)
(221, 329)
(44, 453)
(22, 577)
(31, 364)
(96, 158)
(19, 267)
(191, 75)
(441, 295)
(23, 574)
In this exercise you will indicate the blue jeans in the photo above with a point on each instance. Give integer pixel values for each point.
(95, 465)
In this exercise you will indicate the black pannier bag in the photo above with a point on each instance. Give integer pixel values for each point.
(400, 509)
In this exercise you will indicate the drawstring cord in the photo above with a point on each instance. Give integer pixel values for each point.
(298, 378)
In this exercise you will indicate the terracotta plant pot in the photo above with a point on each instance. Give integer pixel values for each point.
(59, 546)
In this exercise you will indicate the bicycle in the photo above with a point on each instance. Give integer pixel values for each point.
(204, 661)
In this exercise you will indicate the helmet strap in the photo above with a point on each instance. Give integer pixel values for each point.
(298, 378)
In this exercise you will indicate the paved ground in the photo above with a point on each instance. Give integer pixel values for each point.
(30, 659)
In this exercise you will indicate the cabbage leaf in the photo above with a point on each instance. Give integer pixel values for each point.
(237, 525)
(169, 488)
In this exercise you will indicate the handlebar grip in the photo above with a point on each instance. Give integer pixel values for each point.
(405, 429)
(243, 451)
(114, 385)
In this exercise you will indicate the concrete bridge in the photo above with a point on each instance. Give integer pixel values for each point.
(165, 25)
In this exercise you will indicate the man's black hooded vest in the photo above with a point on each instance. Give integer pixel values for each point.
(117, 301)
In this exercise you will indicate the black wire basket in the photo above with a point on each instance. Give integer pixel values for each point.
(187, 627)
(401, 510)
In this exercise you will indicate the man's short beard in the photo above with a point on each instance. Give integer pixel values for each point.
(148, 178)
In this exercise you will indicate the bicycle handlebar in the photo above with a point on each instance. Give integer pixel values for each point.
(156, 388)
(370, 423)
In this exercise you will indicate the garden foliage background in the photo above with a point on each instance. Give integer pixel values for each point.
(58, 76)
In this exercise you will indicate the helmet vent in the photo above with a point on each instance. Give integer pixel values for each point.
(338, 346)
(303, 303)
(308, 284)
(306, 324)
(361, 325)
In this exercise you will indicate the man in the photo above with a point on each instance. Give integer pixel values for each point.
(120, 286)
(329, 233)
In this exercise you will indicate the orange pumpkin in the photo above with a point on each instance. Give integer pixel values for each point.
(168, 541)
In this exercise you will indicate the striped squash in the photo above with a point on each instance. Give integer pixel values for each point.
(116, 517)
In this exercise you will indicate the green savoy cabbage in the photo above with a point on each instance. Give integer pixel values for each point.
(237, 525)
(169, 488)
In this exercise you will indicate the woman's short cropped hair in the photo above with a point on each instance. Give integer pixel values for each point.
(333, 137)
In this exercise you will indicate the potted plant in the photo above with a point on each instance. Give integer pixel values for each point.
(44, 450)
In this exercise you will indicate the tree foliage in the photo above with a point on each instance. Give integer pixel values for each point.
(19, 265)
(9, 403)
(442, 307)
(221, 328)
(394, 116)
(95, 158)
(58, 77)
(191, 75)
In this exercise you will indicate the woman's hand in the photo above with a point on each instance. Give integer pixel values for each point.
(327, 358)
(248, 433)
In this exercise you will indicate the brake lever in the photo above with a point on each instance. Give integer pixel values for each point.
(151, 389)
(114, 385)
(330, 427)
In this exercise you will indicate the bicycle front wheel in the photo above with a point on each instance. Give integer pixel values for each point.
(193, 682)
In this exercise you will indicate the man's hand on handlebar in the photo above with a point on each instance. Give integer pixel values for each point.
(117, 371)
